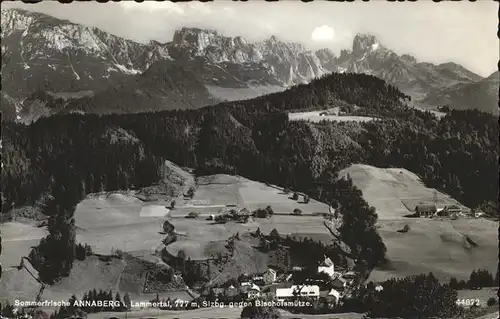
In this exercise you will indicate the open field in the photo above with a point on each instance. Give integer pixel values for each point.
(442, 246)
(315, 117)
(115, 222)
(394, 192)
(17, 240)
(85, 275)
(121, 221)
(19, 284)
(429, 108)
(119, 275)
(232, 94)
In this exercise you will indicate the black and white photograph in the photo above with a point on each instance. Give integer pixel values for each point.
(249, 160)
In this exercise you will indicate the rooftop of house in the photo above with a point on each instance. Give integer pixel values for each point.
(326, 263)
(297, 289)
(425, 206)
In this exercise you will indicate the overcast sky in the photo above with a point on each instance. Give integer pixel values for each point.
(460, 32)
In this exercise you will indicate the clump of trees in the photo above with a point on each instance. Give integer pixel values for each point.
(254, 312)
(193, 215)
(421, 296)
(93, 296)
(478, 278)
(303, 251)
(82, 251)
(491, 301)
(54, 256)
(190, 192)
(263, 213)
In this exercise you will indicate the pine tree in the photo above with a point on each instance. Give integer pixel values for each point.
(118, 299)
(126, 301)
(72, 301)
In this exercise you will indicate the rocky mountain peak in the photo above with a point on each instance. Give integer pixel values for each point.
(194, 36)
(408, 58)
(325, 54)
(17, 20)
(363, 43)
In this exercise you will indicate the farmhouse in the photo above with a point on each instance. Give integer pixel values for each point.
(252, 290)
(424, 210)
(327, 267)
(297, 291)
(349, 277)
(453, 210)
(269, 276)
(334, 295)
(258, 280)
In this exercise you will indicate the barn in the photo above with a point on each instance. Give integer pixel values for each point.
(425, 210)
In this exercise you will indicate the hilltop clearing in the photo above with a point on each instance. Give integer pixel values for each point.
(443, 246)
(315, 116)
(394, 192)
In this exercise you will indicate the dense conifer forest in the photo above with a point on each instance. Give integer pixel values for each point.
(254, 138)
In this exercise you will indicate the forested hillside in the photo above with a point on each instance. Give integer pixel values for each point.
(228, 137)
(253, 138)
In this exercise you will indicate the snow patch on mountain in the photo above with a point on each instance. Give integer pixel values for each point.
(126, 70)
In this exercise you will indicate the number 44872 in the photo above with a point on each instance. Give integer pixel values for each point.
(468, 302)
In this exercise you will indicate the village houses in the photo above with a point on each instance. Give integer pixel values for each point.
(311, 291)
(270, 276)
(251, 290)
(327, 267)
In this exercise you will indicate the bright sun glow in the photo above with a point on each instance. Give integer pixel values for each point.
(323, 33)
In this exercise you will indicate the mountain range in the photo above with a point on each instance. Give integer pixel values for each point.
(49, 65)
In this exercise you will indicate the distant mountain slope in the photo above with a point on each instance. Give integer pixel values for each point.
(482, 95)
(40, 51)
(45, 53)
(164, 86)
(369, 56)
